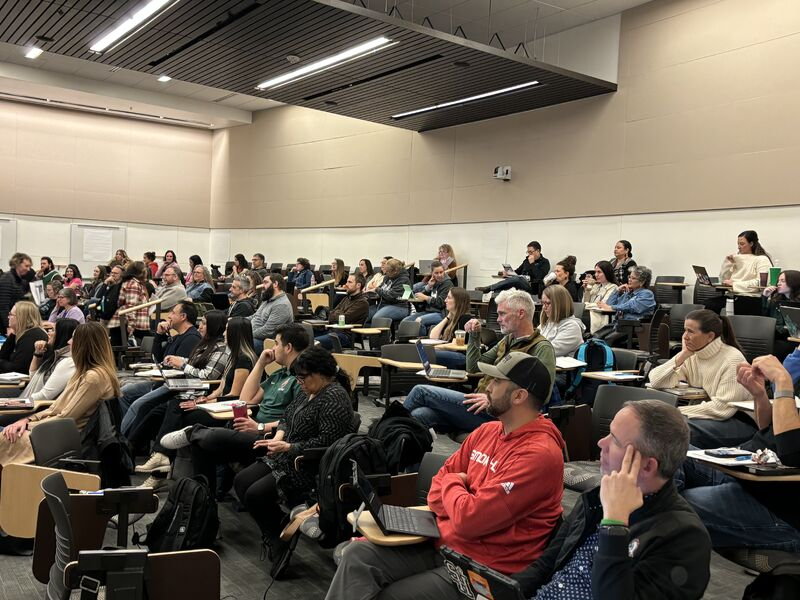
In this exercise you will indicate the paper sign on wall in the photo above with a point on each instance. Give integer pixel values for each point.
(97, 245)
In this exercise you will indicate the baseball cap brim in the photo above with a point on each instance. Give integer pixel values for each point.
(491, 371)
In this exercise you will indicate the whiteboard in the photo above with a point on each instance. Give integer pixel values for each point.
(78, 236)
(8, 241)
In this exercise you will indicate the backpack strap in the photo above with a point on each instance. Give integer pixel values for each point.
(580, 354)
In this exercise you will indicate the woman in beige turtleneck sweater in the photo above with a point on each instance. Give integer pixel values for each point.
(708, 359)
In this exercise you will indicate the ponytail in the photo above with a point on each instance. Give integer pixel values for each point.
(711, 322)
(728, 336)
(343, 378)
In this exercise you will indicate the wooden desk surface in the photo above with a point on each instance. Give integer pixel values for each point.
(451, 346)
(405, 366)
(610, 375)
(369, 330)
(37, 406)
(369, 529)
(337, 326)
(675, 284)
(743, 475)
(794, 340)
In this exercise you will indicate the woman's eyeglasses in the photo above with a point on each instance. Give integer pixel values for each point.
(301, 378)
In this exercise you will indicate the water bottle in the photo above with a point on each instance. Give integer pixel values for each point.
(341, 321)
(728, 307)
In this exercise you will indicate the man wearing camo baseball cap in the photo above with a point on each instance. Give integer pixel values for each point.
(526, 372)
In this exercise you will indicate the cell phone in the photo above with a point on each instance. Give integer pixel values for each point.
(727, 452)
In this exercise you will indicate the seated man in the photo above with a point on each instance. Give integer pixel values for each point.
(528, 276)
(433, 293)
(354, 308)
(171, 290)
(633, 536)
(745, 514)
(242, 305)
(448, 410)
(212, 446)
(275, 310)
(257, 265)
(181, 319)
(496, 499)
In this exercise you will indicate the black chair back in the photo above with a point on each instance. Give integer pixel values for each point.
(408, 330)
(56, 495)
(577, 309)
(625, 359)
(54, 439)
(430, 465)
(666, 294)
(677, 315)
(491, 316)
(756, 335)
(703, 292)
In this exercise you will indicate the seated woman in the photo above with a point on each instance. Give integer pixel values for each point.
(631, 301)
(66, 307)
(447, 257)
(321, 414)
(182, 412)
(94, 381)
(741, 272)
(92, 287)
(201, 289)
(787, 292)
(254, 291)
(376, 281)
(144, 409)
(596, 290)
(558, 323)
(239, 267)
(365, 268)
(121, 258)
(51, 291)
(24, 330)
(339, 278)
(565, 277)
(301, 276)
(132, 292)
(72, 278)
(194, 261)
(456, 308)
(622, 261)
(708, 359)
(390, 294)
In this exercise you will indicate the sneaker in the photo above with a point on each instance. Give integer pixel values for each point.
(177, 439)
(157, 483)
(157, 463)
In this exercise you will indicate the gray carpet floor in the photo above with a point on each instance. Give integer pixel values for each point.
(245, 574)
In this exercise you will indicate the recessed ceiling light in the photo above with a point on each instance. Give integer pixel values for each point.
(130, 25)
(327, 63)
(33, 52)
(165, 78)
(508, 90)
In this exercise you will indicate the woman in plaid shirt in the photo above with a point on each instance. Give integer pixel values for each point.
(132, 293)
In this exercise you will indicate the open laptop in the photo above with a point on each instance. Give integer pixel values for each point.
(791, 317)
(508, 269)
(474, 580)
(424, 266)
(393, 519)
(440, 373)
(181, 384)
(702, 275)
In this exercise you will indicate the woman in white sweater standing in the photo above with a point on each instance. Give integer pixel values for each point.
(708, 359)
(557, 323)
(598, 289)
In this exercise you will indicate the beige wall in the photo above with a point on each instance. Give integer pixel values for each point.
(705, 117)
(59, 163)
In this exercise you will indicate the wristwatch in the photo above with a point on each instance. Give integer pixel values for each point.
(260, 428)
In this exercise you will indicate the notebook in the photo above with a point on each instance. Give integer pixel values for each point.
(474, 580)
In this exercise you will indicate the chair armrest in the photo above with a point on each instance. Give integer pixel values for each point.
(81, 465)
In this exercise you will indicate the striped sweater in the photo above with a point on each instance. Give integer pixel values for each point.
(714, 369)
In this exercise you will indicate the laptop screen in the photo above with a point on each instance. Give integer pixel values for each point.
(423, 356)
(367, 492)
(791, 318)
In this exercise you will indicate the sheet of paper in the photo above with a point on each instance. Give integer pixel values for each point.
(725, 462)
(155, 373)
(567, 362)
(97, 244)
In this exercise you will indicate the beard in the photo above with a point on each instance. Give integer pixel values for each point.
(268, 293)
(497, 406)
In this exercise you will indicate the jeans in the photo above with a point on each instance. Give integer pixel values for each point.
(442, 409)
(131, 392)
(258, 345)
(395, 312)
(418, 287)
(138, 410)
(451, 359)
(515, 281)
(411, 572)
(707, 433)
(176, 418)
(214, 446)
(732, 517)
(324, 340)
(427, 319)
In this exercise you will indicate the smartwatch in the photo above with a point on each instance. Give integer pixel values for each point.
(260, 428)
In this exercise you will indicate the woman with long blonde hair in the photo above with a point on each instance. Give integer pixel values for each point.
(24, 330)
(94, 381)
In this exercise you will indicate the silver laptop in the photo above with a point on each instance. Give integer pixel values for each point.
(181, 384)
(425, 266)
(440, 373)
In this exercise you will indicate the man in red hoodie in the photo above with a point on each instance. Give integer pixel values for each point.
(496, 499)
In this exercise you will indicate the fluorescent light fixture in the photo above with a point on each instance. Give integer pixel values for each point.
(165, 78)
(327, 63)
(34, 52)
(508, 90)
(139, 19)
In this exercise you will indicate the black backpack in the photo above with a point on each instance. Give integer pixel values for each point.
(781, 583)
(187, 521)
(598, 356)
(405, 440)
(336, 469)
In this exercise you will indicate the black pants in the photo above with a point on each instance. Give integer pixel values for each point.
(176, 418)
(220, 445)
(257, 489)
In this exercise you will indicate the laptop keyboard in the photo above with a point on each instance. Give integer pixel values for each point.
(446, 373)
(399, 519)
